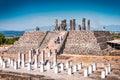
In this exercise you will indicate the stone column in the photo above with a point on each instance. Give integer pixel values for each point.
(67, 64)
(80, 66)
(62, 67)
(75, 68)
(70, 71)
(42, 56)
(55, 57)
(83, 24)
(42, 67)
(15, 64)
(23, 60)
(63, 24)
(86, 72)
(19, 59)
(1, 60)
(56, 24)
(106, 71)
(12, 62)
(94, 66)
(88, 24)
(30, 56)
(4, 64)
(37, 51)
(56, 69)
(48, 65)
(73, 24)
(36, 58)
(49, 53)
(9, 60)
(103, 74)
(90, 69)
(29, 66)
(109, 68)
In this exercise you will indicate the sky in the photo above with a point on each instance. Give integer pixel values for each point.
(27, 14)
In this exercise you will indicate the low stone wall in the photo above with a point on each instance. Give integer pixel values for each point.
(7, 75)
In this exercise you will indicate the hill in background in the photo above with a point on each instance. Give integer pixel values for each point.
(12, 33)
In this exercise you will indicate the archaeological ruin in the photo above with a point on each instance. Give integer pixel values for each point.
(42, 50)
(81, 41)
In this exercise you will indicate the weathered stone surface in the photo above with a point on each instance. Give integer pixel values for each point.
(27, 41)
(77, 42)
(86, 42)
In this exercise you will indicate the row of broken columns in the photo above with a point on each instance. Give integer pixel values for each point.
(72, 26)
(43, 66)
(20, 62)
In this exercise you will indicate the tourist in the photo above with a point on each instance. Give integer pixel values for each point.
(46, 47)
(61, 38)
(58, 40)
(55, 41)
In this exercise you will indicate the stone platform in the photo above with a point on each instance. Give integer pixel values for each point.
(74, 42)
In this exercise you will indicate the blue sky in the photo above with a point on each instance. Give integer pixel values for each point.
(27, 14)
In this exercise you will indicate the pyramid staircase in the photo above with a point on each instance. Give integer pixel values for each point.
(52, 46)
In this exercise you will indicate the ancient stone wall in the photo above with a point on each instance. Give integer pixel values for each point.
(86, 42)
(31, 38)
(102, 37)
(27, 41)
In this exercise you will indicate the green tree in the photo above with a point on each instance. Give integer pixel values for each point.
(11, 40)
(2, 39)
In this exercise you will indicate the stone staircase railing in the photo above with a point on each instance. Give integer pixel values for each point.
(43, 39)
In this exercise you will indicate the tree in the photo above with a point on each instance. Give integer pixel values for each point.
(11, 40)
(2, 39)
